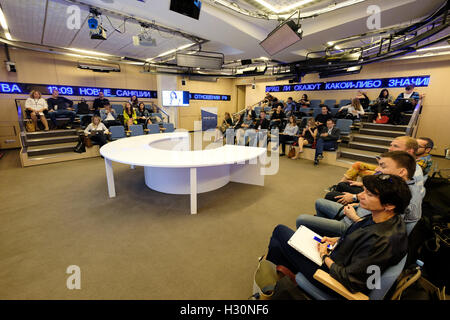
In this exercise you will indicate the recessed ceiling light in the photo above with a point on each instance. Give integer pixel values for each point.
(88, 52)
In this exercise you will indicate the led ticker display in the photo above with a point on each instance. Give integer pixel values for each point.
(26, 88)
(205, 96)
(400, 82)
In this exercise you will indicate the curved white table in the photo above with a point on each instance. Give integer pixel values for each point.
(170, 166)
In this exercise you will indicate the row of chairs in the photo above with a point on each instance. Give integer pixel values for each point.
(118, 132)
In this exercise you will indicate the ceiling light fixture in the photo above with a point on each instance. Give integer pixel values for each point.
(285, 9)
(88, 52)
(4, 25)
(171, 51)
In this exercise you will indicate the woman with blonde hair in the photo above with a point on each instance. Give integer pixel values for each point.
(36, 106)
(129, 115)
(96, 131)
(308, 136)
(354, 110)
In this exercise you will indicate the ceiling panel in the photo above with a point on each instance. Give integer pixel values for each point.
(25, 19)
(57, 33)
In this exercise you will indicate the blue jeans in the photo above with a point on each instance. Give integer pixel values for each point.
(324, 145)
(62, 113)
(281, 253)
(323, 223)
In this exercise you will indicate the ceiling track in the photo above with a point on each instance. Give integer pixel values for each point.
(150, 24)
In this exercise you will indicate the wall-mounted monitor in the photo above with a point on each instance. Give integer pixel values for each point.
(175, 98)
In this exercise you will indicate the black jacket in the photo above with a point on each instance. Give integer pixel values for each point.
(61, 102)
(263, 123)
(100, 103)
(334, 136)
(367, 243)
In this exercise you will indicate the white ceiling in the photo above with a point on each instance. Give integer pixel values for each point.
(235, 35)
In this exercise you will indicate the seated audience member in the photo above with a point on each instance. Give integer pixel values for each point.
(99, 103)
(109, 117)
(97, 131)
(360, 169)
(405, 102)
(383, 101)
(276, 121)
(262, 123)
(308, 136)
(302, 107)
(327, 140)
(345, 190)
(354, 110)
(129, 115)
(250, 110)
(363, 99)
(425, 145)
(155, 115)
(36, 106)
(379, 239)
(334, 218)
(134, 101)
(276, 103)
(248, 123)
(60, 107)
(304, 100)
(289, 109)
(322, 118)
(268, 97)
(289, 134)
(226, 123)
(142, 115)
(222, 129)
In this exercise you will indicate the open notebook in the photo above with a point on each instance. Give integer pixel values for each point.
(303, 241)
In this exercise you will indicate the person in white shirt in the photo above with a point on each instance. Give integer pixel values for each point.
(96, 131)
(36, 106)
(354, 110)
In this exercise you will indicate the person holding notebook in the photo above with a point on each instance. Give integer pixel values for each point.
(378, 239)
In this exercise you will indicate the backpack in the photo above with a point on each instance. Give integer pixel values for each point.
(83, 108)
(429, 241)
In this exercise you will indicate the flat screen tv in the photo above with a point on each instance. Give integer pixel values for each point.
(190, 8)
(175, 98)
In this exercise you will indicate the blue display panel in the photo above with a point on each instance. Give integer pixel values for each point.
(206, 96)
(400, 82)
(45, 89)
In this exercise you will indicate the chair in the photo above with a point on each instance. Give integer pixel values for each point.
(334, 111)
(267, 109)
(169, 127)
(117, 132)
(330, 103)
(344, 125)
(118, 108)
(387, 280)
(304, 122)
(158, 115)
(314, 103)
(316, 112)
(250, 137)
(344, 102)
(229, 134)
(153, 128)
(136, 130)
(257, 109)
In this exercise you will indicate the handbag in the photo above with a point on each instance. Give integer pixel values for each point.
(291, 152)
(264, 280)
(313, 146)
(87, 142)
(29, 125)
(384, 119)
(80, 147)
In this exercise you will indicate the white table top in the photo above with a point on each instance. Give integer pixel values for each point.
(139, 151)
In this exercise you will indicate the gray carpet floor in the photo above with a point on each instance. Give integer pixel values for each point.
(142, 244)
